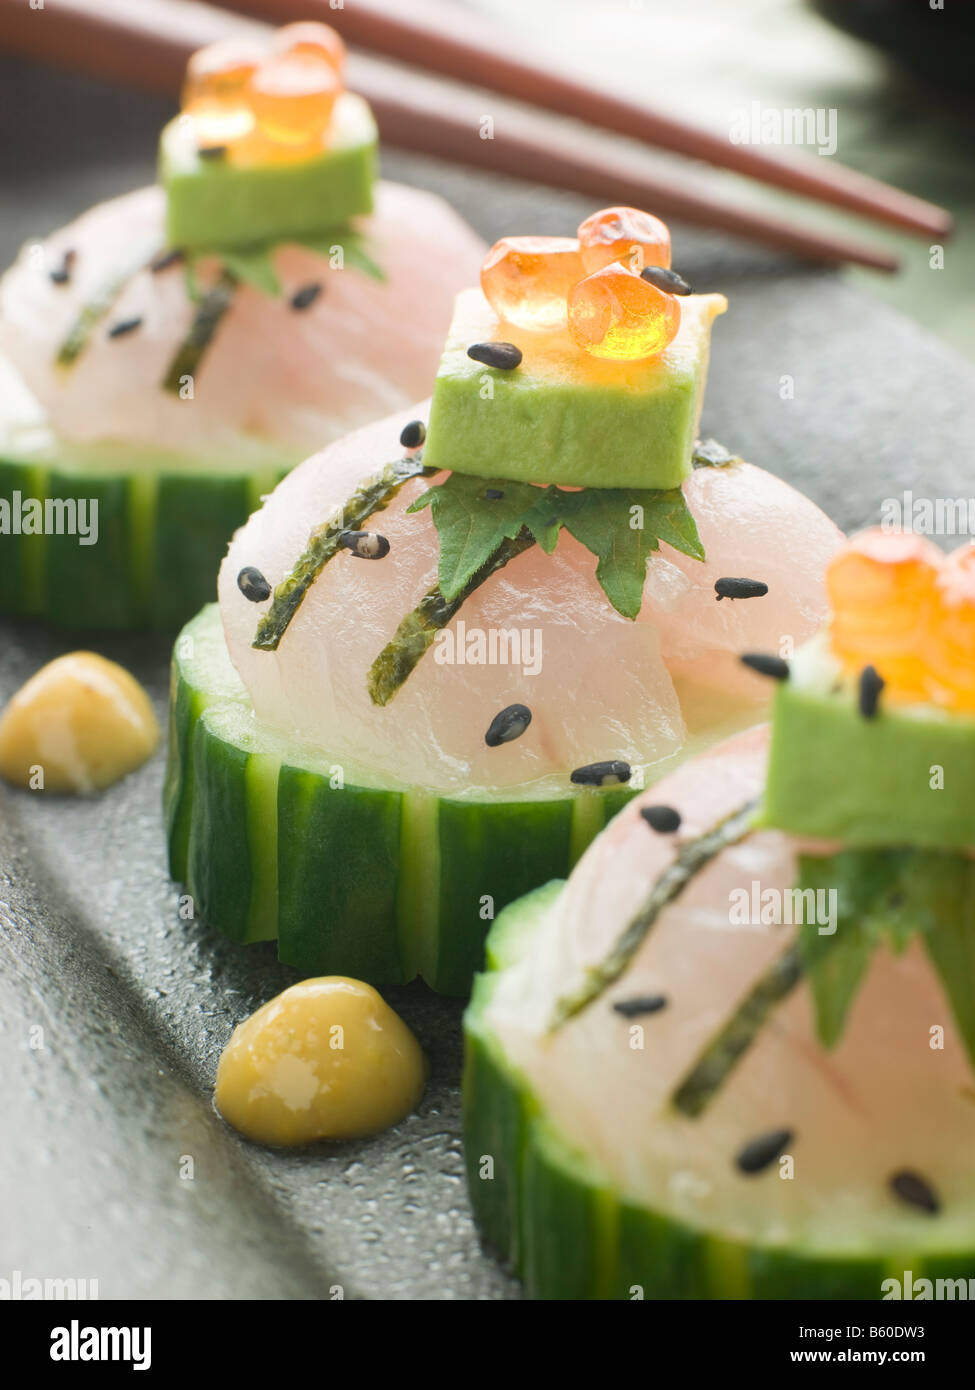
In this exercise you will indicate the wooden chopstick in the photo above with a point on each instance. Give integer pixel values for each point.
(147, 45)
(451, 40)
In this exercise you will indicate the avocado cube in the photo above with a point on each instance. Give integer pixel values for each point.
(213, 203)
(905, 776)
(563, 416)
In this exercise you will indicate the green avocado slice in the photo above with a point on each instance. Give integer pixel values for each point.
(215, 202)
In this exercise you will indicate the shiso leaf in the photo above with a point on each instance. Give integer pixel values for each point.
(889, 897)
(353, 245)
(601, 519)
(324, 542)
(253, 265)
(470, 526)
(836, 962)
(708, 453)
(951, 942)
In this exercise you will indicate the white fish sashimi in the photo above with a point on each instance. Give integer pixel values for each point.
(880, 1102)
(598, 685)
(297, 379)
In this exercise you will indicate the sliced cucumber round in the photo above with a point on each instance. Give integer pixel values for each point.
(353, 878)
(601, 1169)
(155, 539)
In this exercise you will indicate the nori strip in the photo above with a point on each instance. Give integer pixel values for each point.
(722, 1055)
(91, 314)
(325, 541)
(418, 629)
(191, 351)
(691, 858)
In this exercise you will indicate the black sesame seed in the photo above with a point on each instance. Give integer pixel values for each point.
(493, 494)
(643, 1004)
(413, 434)
(124, 326)
(211, 151)
(61, 274)
(765, 1149)
(606, 774)
(765, 665)
(915, 1191)
(253, 585)
(366, 545)
(664, 819)
(510, 724)
(504, 356)
(667, 280)
(871, 684)
(306, 296)
(166, 259)
(739, 588)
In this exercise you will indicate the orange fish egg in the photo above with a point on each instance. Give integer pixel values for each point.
(882, 590)
(624, 234)
(308, 39)
(616, 315)
(950, 651)
(215, 90)
(526, 279)
(292, 97)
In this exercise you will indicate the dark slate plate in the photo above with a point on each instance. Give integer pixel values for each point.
(131, 1007)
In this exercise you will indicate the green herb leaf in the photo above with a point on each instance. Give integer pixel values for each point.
(471, 526)
(353, 248)
(622, 528)
(253, 265)
(889, 897)
(708, 453)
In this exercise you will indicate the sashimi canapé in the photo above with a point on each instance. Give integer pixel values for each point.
(177, 349)
(434, 685)
(734, 1053)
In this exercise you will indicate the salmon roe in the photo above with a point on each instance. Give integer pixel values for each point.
(309, 39)
(527, 279)
(292, 97)
(215, 91)
(636, 238)
(901, 606)
(266, 103)
(615, 314)
(951, 652)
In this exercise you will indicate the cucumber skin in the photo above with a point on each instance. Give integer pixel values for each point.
(161, 538)
(337, 903)
(560, 1226)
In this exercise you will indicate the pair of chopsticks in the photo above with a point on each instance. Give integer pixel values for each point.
(147, 45)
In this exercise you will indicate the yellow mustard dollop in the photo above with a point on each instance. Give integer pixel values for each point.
(78, 725)
(326, 1059)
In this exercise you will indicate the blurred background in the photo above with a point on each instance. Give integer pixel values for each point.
(897, 72)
